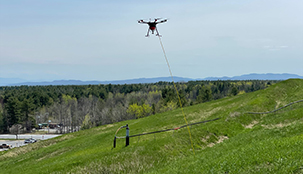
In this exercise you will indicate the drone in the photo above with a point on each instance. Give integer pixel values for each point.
(152, 25)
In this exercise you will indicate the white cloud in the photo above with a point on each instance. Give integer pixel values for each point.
(274, 48)
(283, 46)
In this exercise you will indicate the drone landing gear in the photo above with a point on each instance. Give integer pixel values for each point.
(147, 35)
(152, 31)
(158, 33)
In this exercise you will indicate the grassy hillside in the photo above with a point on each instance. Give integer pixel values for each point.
(236, 143)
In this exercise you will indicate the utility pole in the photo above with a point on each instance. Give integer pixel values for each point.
(127, 135)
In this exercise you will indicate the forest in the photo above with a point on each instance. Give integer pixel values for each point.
(76, 107)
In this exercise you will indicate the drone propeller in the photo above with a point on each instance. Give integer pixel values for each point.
(150, 20)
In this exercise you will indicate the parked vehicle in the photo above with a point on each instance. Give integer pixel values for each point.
(27, 141)
(33, 140)
(30, 140)
(5, 146)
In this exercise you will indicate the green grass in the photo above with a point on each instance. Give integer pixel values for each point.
(237, 143)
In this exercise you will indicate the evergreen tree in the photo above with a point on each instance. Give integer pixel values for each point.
(26, 108)
(234, 91)
(205, 94)
(13, 111)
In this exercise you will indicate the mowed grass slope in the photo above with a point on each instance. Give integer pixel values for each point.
(236, 143)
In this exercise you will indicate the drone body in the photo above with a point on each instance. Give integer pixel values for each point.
(152, 26)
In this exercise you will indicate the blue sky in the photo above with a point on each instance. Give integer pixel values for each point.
(101, 40)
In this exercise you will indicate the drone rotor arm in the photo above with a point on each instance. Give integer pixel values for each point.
(141, 21)
(165, 20)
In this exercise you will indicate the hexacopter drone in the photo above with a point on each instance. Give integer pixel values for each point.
(152, 25)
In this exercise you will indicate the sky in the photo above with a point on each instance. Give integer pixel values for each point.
(102, 40)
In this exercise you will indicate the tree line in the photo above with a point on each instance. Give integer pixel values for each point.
(86, 106)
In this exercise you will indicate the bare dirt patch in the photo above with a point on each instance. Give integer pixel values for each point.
(204, 140)
(234, 114)
(251, 125)
(220, 140)
(280, 125)
(278, 104)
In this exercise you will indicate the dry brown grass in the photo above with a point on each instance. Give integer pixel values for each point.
(135, 163)
(65, 137)
(105, 127)
(280, 103)
(203, 114)
(55, 153)
(281, 125)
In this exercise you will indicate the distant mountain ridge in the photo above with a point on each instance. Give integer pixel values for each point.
(253, 76)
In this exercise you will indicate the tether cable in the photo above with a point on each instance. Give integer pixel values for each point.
(165, 130)
(268, 112)
(172, 128)
(171, 74)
